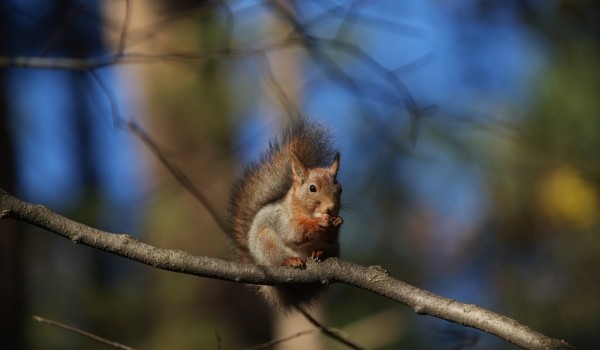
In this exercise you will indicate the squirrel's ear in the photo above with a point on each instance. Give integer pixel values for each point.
(299, 171)
(336, 163)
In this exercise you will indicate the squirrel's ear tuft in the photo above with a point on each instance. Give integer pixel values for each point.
(299, 170)
(335, 166)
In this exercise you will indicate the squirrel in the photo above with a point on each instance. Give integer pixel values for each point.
(284, 209)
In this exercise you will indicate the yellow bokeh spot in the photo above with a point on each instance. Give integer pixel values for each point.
(568, 199)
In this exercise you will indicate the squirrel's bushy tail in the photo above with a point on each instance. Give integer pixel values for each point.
(269, 179)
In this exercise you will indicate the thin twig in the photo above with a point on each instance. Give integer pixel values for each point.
(64, 26)
(125, 28)
(82, 333)
(270, 79)
(179, 175)
(329, 332)
(112, 98)
(274, 342)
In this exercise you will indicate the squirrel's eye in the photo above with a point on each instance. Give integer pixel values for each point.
(313, 188)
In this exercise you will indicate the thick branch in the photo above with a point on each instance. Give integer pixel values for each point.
(374, 279)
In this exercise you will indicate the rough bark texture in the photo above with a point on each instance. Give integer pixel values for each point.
(373, 278)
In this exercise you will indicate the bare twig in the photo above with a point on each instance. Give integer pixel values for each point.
(110, 95)
(178, 174)
(63, 28)
(272, 81)
(271, 343)
(329, 332)
(82, 332)
(125, 28)
(76, 64)
(374, 279)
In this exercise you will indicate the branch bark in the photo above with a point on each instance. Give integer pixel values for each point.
(374, 278)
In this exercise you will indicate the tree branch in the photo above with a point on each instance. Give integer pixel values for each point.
(374, 279)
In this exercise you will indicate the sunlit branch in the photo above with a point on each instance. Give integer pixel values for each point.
(374, 279)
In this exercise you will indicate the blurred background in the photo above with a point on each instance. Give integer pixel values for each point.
(469, 134)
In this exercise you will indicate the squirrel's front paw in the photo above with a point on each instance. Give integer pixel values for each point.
(336, 221)
(294, 261)
(324, 220)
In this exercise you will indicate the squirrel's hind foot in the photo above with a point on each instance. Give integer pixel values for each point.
(295, 262)
(317, 255)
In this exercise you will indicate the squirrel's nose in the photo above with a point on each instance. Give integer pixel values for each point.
(330, 208)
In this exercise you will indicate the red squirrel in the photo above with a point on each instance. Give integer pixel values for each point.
(284, 208)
